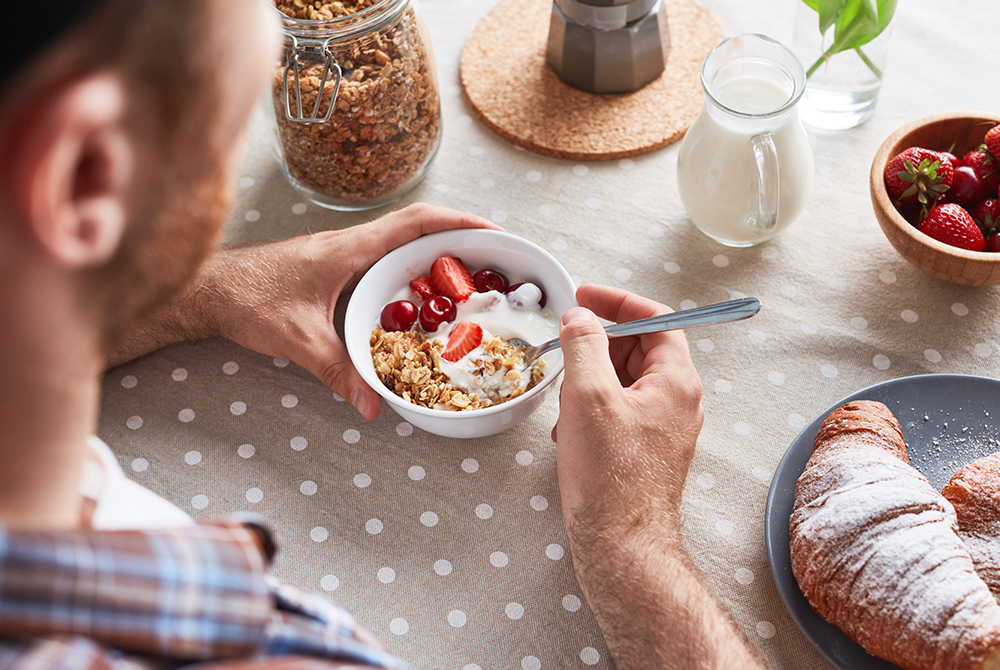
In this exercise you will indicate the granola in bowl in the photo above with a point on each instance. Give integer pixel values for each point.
(453, 352)
(410, 365)
(393, 279)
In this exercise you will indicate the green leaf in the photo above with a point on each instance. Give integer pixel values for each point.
(858, 22)
(871, 11)
(853, 28)
(829, 11)
(886, 10)
(849, 17)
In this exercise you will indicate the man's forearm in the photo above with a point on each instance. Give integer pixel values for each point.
(654, 611)
(185, 318)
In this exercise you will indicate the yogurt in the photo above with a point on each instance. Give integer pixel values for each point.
(497, 316)
(506, 316)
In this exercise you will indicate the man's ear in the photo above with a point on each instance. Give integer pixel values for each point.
(70, 160)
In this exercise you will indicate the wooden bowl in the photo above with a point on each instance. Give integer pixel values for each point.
(971, 268)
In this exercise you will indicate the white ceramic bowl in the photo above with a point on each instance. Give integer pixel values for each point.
(516, 257)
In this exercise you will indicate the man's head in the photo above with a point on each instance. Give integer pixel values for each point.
(117, 145)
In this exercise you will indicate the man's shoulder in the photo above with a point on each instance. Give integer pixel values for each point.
(162, 598)
(77, 652)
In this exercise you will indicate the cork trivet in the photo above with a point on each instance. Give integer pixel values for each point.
(516, 93)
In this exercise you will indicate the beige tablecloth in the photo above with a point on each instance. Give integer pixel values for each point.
(453, 551)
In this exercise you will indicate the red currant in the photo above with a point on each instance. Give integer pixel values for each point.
(966, 186)
(490, 280)
(399, 315)
(437, 310)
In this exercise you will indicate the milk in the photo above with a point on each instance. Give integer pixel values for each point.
(717, 174)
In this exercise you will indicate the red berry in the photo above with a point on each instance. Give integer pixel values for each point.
(422, 287)
(464, 337)
(992, 141)
(987, 213)
(399, 315)
(950, 156)
(986, 167)
(451, 279)
(490, 280)
(951, 224)
(993, 243)
(966, 186)
(437, 310)
(918, 174)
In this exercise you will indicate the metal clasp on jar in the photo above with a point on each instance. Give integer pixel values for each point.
(292, 67)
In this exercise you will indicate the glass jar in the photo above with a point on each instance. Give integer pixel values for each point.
(842, 82)
(355, 101)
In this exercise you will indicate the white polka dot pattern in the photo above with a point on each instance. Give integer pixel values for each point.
(477, 530)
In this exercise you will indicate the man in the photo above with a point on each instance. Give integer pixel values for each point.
(117, 127)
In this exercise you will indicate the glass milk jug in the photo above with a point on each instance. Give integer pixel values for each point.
(745, 166)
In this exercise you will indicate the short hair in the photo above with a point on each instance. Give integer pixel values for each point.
(151, 42)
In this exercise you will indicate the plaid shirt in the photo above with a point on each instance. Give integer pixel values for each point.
(89, 600)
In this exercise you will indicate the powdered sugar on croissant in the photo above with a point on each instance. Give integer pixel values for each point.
(876, 552)
(975, 492)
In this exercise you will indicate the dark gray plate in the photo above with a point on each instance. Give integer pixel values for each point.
(947, 420)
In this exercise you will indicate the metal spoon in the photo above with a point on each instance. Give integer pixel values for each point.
(722, 312)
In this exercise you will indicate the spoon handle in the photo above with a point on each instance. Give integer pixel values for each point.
(722, 312)
(733, 310)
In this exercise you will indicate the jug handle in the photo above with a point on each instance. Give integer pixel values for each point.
(768, 184)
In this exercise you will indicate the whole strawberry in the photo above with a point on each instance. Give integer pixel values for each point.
(987, 214)
(918, 175)
(951, 224)
(992, 141)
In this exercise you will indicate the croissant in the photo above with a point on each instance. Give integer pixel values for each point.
(975, 492)
(876, 552)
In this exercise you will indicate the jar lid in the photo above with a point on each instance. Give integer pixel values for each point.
(344, 28)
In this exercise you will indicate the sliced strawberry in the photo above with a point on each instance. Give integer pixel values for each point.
(918, 175)
(465, 337)
(951, 224)
(450, 278)
(422, 287)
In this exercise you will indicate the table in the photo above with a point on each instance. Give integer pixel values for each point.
(453, 551)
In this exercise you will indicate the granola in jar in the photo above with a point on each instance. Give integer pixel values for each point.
(384, 127)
